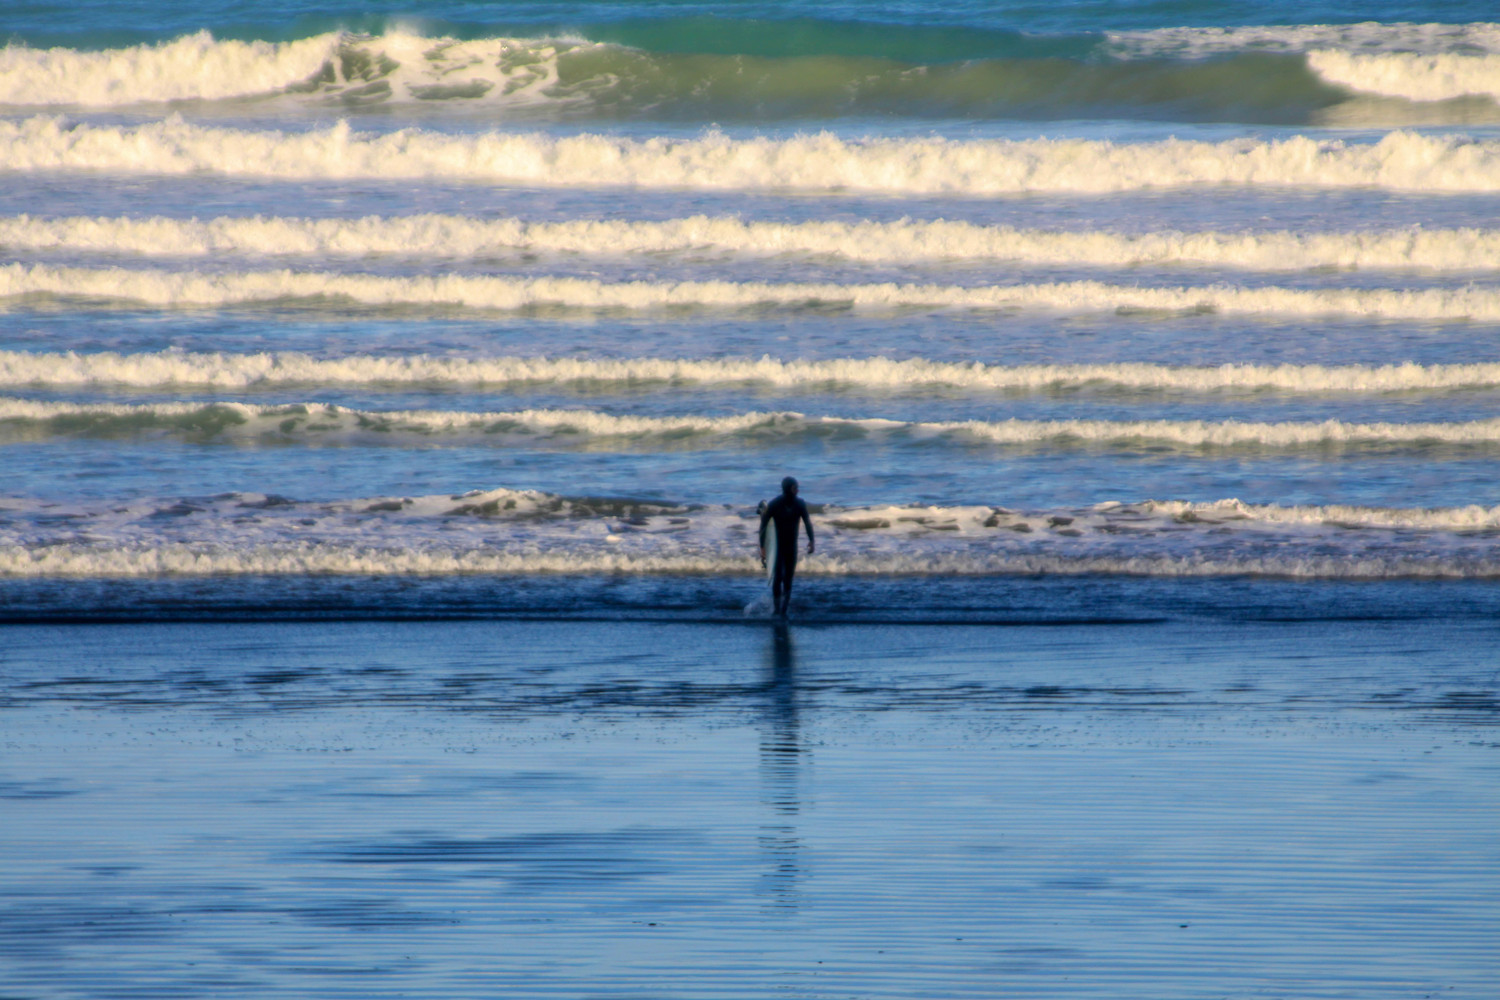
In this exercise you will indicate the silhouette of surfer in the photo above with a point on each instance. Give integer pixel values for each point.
(785, 513)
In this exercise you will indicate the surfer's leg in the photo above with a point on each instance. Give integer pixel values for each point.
(786, 567)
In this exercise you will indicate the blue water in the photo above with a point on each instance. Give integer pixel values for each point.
(276, 20)
(1317, 136)
(386, 392)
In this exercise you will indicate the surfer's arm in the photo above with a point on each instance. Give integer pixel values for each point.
(807, 522)
(765, 515)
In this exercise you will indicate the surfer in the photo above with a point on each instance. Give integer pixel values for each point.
(784, 513)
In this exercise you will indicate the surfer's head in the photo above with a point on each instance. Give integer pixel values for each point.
(789, 486)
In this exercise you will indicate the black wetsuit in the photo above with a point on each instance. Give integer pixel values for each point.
(786, 511)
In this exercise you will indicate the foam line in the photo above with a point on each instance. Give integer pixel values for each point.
(84, 561)
(1367, 36)
(193, 289)
(167, 369)
(528, 532)
(1474, 517)
(23, 418)
(501, 504)
(457, 237)
(821, 162)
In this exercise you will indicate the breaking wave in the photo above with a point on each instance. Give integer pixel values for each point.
(524, 532)
(193, 67)
(458, 236)
(339, 67)
(166, 369)
(820, 162)
(1414, 62)
(173, 289)
(745, 71)
(22, 419)
(1413, 76)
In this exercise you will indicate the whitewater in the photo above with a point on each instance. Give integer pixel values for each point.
(820, 161)
(167, 369)
(390, 394)
(1420, 63)
(517, 533)
(446, 236)
(26, 419)
(974, 285)
(189, 289)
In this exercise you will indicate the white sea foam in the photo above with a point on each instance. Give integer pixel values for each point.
(523, 532)
(70, 561)
(1367, 37)
(29, 419)
(1413, 76)
(337, 66)
(191, 67)
(821, 162)
(458, 236)
(1474, 517)
(165, 369)
(195, 289)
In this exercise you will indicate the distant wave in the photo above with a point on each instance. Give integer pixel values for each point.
(822, 162)
(459, 236)
(1474, 517)
(1373, 37)
(1415, 62)
(343, 67)
(525, 532)
(22, 419)
(174, 289)
(815, 70)
(167, 369)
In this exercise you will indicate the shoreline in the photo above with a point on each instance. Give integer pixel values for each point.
(1000, 601)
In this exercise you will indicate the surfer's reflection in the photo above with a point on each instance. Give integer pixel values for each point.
(780, 757)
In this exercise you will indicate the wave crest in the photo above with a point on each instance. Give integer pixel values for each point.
(821, 162)
(165, 369)
(458, 236)
(22, 419)
(1199, 73)
(1413, 76)
(179, 289)
(193, 67)
(339, 67)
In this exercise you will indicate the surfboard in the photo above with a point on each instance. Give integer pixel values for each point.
(768, 539)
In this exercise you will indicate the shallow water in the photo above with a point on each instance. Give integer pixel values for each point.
(1185, 809)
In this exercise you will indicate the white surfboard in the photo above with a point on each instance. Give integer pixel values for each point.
(768, 539)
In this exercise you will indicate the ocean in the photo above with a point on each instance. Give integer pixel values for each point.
(343, 332)
(482, 289)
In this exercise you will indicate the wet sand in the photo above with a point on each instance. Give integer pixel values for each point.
(615, 809)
